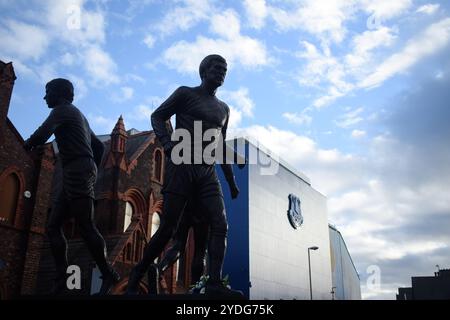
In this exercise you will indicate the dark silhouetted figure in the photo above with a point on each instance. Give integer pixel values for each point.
(191, 218)
(196, 176)
(80, 152)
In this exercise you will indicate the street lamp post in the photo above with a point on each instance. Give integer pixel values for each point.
(332, 292)
(309, 264)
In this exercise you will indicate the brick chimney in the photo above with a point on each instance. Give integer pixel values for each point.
(7, 78)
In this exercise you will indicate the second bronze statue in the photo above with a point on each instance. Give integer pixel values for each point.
(192, 179)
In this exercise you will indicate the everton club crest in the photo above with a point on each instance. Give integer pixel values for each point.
(295, 212)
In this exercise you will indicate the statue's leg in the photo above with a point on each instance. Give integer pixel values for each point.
(201, 233)
(179, 240)
(172, 208)
(58, 242)
(214, 208)
(83, 211)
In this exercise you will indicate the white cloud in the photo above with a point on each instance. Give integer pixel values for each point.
(375, 206)
(235, 119)
(321, 69)
(22, 70)
(184, 17)
(359, 69)
(22, 40)
(156, 101)
(329, 169)
(101, 124)
(322, 18)
(317, 66)
(83, 29)
(80, 31)
(371, 200)
(100, 66)
(332, 94)
(71, 22)
(386, 9)
(428, 8)
(149, 41)
(134, 77)
(434, 38)
(300, 119)
(142, 112)
(358, 133)
(337, 76)
(80, 87)
(185, 56)
(126, 93)
(240, 99)
(47, 72)
(350, 118)
(365, 43)
(240, 103)
(68, 59)
(257, 11)
(439, 75)
(226, 24)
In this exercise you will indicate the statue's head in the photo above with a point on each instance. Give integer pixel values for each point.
(213, 68)
(58, 91)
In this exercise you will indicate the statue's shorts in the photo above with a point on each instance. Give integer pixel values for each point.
(191, 180)
(79, 178)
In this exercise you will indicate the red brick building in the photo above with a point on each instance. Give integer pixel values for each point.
(128, 207)
(25, 183)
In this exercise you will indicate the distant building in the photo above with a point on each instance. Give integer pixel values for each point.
(346, 282)
(267, 253)
(428, 288)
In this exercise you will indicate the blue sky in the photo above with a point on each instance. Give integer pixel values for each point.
(352, 93)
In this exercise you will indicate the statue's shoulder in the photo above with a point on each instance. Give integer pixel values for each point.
(74, 109)
(63, 109)
(224, 105)
(184, 90)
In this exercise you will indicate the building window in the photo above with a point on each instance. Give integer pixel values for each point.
(128, 214)
(9, 197)
(158, 165)
(155, 223)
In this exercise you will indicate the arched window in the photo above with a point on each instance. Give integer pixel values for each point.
(9, 197)
(135, 206)
(158, 164)
(128, 214)
(155, 223)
